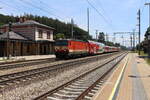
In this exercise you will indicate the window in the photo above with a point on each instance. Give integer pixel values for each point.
(48, 35)
(40, 34)
(61, 43)
(28, 48)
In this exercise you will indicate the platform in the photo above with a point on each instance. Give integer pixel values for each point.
(130, 81)
(33, 57)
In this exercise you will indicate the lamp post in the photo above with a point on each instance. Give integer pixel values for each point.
(149, 12)
(10, 25)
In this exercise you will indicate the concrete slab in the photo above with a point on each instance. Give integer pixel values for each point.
(135, 83)
(22, 58)
(144, 75)
(132, 88)
(107, 90)
(138, 87)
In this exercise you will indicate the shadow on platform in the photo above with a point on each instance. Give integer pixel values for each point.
(134, 76)
(143, 57)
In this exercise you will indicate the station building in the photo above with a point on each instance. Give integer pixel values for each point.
(26, 38)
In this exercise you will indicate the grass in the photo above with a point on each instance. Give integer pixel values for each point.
(146, 57)
(3, 59)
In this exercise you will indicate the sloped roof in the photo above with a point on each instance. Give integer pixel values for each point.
(29, 22)
(12, 35)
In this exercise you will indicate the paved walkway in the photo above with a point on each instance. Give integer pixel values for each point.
(33, 57)
(133, 85)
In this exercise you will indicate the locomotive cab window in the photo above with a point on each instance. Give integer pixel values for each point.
(61, 43)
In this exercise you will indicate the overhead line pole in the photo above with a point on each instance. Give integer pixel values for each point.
(72, 24)
(88, 21)
(131, 33)
(96, 34)
(149, 12)
(9, 30)
(139, 13)
(133, 39)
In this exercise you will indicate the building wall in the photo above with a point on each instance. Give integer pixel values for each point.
(31, 32)
(2, 48)
(23, 48)
(27, 31)
(44, 32)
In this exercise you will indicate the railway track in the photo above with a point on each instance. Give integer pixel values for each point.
(4, 66)
(85, 86)
(9, 79)
(19, 64)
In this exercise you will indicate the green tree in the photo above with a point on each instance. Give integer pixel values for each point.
(60, 36)
(60, 27)
(101, 37)
(147, 32)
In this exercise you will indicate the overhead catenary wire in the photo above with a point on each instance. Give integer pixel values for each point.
(8, 5)
(37, 7)
(99, 13)
(141, 6)
(47, 5)
(101, 6)
(22, 4)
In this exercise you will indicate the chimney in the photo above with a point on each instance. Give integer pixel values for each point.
(22, 19)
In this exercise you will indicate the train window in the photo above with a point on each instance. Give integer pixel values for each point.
(61, 43)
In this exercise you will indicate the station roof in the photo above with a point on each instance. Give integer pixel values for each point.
(13, 35)
(29, 22)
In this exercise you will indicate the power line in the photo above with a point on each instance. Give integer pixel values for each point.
(8, 5)
(37, 7)
(101, 6)
(98, 12)
(142, 5)
(52, 8)
(47, 5)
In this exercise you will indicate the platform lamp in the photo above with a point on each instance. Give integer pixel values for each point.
(10, 26)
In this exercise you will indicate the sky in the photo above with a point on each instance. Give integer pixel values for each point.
(111, 15)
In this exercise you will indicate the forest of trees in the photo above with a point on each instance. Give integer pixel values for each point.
(60, 27)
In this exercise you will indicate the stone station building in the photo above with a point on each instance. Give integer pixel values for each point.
(26, 38)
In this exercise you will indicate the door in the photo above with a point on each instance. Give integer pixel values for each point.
(2, 46)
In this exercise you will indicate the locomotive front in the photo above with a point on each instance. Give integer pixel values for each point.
(61, 48)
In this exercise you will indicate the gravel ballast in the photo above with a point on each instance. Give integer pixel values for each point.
(28, 92)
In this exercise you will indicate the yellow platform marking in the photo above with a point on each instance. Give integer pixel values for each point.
(118, 80)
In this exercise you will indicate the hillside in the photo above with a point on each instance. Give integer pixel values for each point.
(61, 27)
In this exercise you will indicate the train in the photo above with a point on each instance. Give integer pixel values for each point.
(68, 48)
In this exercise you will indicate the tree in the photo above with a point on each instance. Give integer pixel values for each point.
(60, 27)
(147, 42)
(147, 32)
(117, 44)
(60, 36)
(101, 37)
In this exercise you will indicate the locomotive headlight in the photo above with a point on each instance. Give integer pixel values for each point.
(56, 49)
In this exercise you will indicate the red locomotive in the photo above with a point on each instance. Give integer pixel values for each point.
(70, 48)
